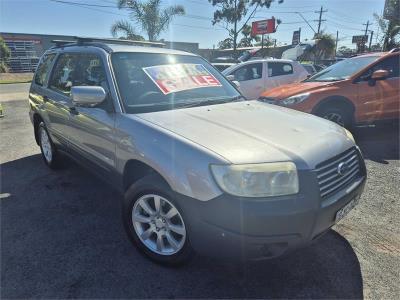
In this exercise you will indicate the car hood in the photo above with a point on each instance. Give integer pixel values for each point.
(256, 132)
(288, 90)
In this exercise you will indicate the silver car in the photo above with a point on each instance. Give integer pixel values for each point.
(201, 169)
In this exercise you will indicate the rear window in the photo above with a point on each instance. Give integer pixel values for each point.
(43, 68)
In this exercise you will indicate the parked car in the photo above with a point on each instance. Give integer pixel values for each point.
(222, 66)
(356, 90)
(201, 169)
(310, 68)
(257, 76)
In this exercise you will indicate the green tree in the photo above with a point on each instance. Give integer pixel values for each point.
(225, 44)
(247, 39)
(127, 30)
(390, 26)
(325, 45)
(149, 15)
(4, 55)
(344, 51)
(236, 14)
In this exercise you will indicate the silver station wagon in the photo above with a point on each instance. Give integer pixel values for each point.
(201, 169)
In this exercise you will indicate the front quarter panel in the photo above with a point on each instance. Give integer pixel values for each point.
(182, 163)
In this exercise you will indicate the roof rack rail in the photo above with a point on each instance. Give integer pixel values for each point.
(60, 43)
(82, 40)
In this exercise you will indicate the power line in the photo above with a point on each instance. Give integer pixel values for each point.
(108, 12)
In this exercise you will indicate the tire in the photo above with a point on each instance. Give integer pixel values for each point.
(50, 155)
(161, 234)
(338, 115)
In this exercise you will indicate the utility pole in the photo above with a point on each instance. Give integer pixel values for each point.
(337, 39)
(365, 34)
(320, 19)
(299, 35)
(370, 41)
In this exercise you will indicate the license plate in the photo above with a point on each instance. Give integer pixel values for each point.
(346, 209)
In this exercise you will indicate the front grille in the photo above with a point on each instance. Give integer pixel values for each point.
(339, 171)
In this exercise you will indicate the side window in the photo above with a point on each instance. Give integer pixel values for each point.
(390, 64)
(44, 68)
(279, 69)
(63, 74)
(248, 72)
(78, 70)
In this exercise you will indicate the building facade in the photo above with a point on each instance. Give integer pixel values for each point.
(26, 48)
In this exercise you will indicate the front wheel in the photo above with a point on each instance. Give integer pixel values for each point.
(155, 223)
(339, 116)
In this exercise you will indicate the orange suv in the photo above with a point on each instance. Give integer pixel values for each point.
(357, 90)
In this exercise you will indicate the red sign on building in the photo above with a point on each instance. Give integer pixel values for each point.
(263, 27)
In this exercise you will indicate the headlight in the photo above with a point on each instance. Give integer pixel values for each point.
(267, 100)
(349, 135)
(295, 99)
(257, 180)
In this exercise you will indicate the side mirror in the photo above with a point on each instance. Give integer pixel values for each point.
(87, 95)
(380, 74)
(230, 77)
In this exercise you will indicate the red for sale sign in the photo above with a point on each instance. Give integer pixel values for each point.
(180, 77)
(263, 27)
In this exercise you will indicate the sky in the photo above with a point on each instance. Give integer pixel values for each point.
(49, 17)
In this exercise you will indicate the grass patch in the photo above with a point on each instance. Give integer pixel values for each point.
(14, 81)
(7, 78)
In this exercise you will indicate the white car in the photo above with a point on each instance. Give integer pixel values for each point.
(256, 76)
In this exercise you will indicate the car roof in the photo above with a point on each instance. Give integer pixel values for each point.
(268, 59)
(112, 47)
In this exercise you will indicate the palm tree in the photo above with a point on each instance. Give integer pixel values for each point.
(149, 15)
(126, 29)
(325, 46)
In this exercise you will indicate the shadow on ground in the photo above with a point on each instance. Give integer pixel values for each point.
(62, 237)
(379, 143)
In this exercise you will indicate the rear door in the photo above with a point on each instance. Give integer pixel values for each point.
(280, 73)
(251, 79)
(38, 93)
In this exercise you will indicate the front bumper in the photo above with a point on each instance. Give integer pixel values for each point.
(232, 227)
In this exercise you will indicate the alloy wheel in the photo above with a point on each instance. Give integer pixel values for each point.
(335, 117)
(46, 145)
(158, 224)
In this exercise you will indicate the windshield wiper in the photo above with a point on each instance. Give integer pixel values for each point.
(211, 101)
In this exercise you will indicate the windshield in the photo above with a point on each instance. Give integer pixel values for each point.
(150, 82)
(343, 69)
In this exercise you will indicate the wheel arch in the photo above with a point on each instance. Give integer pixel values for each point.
(334, 101)
(134, 170)
(37, 119)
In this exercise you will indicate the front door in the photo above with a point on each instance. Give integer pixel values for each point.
(57, 100)
(379, 100)
(91, 129)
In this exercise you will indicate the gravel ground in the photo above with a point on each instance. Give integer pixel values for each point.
(62, 237)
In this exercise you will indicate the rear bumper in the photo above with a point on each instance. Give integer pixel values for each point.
(235, 228)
